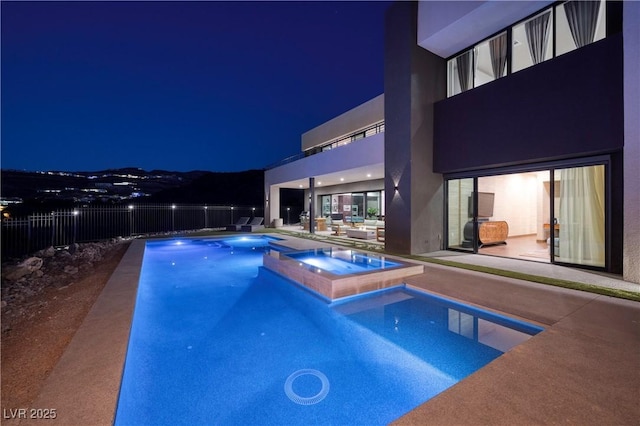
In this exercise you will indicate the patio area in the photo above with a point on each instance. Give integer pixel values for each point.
(370, 243)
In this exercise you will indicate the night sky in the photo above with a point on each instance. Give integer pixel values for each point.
(218, 86)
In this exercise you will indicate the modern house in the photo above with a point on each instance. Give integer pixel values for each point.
(341, 167)
(504, 122)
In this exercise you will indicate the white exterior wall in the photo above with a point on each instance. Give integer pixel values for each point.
(358, 118)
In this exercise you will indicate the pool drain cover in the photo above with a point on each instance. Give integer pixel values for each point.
(288, 387)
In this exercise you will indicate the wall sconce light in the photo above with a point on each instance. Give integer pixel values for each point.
(395, 188)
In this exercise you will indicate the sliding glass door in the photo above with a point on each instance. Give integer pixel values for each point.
(554, 215)
(460, 230)
(581, 216)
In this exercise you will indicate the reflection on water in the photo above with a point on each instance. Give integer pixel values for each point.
(454, 338)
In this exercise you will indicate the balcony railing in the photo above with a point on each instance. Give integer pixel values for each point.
(332, 144)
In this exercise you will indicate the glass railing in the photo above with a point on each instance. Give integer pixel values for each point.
(333, 144)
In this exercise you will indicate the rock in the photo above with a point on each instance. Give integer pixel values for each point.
(14, 273)
(63, 254)
(48, 252)
(91, 253)
(3, 304)
(32, 263)
(71, 270)
(73, 248)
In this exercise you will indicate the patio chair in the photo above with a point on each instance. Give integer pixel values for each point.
(338, 227)
(236, 226)
(256, 223)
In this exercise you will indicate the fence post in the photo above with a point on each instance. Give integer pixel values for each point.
(75, 225)
(53, 227)
(130, 219)
(29, 234)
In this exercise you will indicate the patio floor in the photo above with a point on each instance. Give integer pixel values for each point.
(583, 369)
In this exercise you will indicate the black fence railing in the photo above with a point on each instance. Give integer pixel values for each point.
(21, 236)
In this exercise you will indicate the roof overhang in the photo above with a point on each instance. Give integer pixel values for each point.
(448, 27)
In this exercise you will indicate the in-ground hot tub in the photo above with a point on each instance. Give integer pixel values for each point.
(339, 272)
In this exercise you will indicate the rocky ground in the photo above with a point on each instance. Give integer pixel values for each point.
(45, 298)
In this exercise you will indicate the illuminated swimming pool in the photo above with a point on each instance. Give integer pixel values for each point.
(341, 262)
(217, 339)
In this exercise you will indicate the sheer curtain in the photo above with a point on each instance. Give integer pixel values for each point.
(583, 18)
(581, 220)
(464, 63)
(498, 50)
(537, 31)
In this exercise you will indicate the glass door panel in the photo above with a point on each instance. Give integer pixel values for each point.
(373, 205)
(326, 205)
(357, 207)
(581, 216)
(460, 233)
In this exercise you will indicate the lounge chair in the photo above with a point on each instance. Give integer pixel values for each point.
(236, 226)
(256, 223)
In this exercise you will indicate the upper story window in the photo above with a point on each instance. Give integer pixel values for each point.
(550, 33)
(345, 140)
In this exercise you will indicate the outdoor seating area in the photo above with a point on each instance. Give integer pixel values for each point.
(236, 226)
(255, 224)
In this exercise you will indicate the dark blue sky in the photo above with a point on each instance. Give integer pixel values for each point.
(219, 86)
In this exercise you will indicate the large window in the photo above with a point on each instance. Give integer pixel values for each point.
(550, 33)
(579, 23)
(354, 207)
(532, 41)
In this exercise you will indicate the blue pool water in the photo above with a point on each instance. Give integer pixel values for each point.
(341, 261)
(216, 339)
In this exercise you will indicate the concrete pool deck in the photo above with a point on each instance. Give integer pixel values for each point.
(583, 369)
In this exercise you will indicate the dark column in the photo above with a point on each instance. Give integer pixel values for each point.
(414, 80)
(312, 208)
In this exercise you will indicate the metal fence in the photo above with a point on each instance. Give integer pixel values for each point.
(21, 236)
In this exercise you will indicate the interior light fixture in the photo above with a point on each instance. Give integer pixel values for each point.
(341, 179)
(368, 174)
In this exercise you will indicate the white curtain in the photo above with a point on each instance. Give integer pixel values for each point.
(581, 216)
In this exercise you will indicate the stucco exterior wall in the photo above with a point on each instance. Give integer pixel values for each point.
(631, 36)
(351, 121)
(414, 81)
